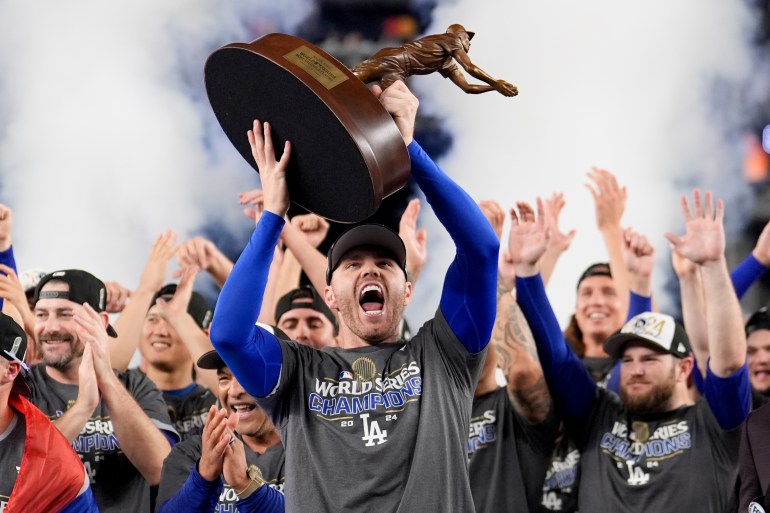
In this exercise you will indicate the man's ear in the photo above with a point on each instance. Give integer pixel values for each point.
(331, 301)
(408, 289)
(11, 372)
(686, 365)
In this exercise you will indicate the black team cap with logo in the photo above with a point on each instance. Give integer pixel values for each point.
(597, 269)
(376, 235)
(84, 287)
(653, 329)
(13, 346)
(198, 308)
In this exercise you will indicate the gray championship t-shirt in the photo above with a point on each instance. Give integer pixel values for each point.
(381, 428)
(185, 455)
(117, 484)
(11, 454)
(188, 411)
(508, 455)
(673, 461)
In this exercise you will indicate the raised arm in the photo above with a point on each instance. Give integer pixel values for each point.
(252, 353)
(206, 255)
(693, 301)
(610, 203)
(129, 323)
(468, 297)
(572, 388)
(559, 241)
(639, 258)
(726, 387)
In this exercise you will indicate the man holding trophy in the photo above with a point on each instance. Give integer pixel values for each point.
(377, 424)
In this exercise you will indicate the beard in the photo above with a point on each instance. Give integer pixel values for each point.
(656, 400)
(60, 360)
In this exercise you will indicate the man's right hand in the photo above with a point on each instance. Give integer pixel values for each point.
(272, 173)
(399, 101)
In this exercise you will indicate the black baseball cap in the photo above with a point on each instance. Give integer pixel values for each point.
(84, 287)
(597, 269)
(654, 329)
(366, 235)
(759, 320)
(198, 308)
(13, 346)
(298, 298)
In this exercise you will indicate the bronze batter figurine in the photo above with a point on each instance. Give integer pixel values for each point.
(428, 54)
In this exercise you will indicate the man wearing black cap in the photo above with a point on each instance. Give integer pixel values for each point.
(376, 424)
(32, 451)
(639, 453)
(174, 335)
(117, 423)
(206, 472)
(303, 315)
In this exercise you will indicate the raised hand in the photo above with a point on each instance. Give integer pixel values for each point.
(609, 197)
(117, 296)
(313, 227)
(415, 240)
(704, 238)
(494, 214)
(254, 198)
(559, 241)
(528, 238)
(399, 101)
(180, 301)
(272, 172)
(155, 270)
(639, 256)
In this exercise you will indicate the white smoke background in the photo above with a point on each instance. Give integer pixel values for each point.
(106, 136)
(644, 90)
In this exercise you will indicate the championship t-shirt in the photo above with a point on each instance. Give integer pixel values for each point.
(188, 409)
(508, 455)
(680, 460)
(11, 454)
(386, 425)
(117, 484)
(185, 455)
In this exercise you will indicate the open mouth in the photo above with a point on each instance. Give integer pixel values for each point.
(243, 409)
(157, 344)
(372, 299)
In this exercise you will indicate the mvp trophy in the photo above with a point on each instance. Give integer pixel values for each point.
(347, 153)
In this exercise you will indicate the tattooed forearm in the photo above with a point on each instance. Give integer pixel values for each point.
(533, 402)
(518, 359)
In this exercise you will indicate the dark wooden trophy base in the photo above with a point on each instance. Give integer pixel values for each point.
(347, 152)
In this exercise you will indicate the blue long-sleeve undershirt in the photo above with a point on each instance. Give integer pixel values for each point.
(198, 495)
(571, 386)
(746, 274)
(252, 353)
(469, 296)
